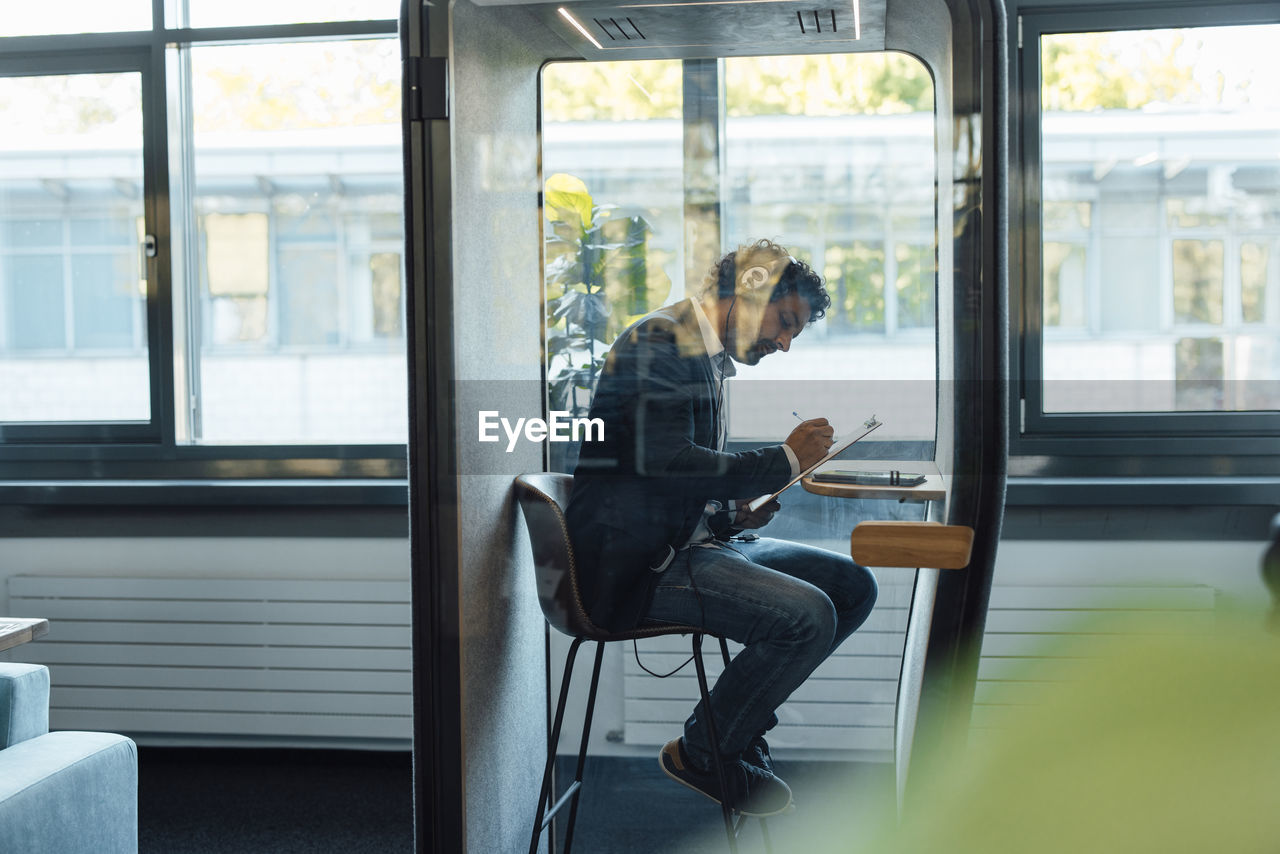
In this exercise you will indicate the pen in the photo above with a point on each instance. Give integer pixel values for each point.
(796, 414)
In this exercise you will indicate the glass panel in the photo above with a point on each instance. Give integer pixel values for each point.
(308, 298)
(1066, 216)
(613, 159)
(105, 294)
(32, 233)
(832, 176)
(834, 157)
(1194, 213)
(73, 338)
(235, 275)
(297, 187)
(387, 295)
(36, 309)
(101, 231)
(74, 16)
(831, 156)
(855, 279)
(1257, 301)
(1169, 136)
(917, 274)
(1130, 292)
(1198, 374)
(1064, 285)
(1197, 281)
(245, 13)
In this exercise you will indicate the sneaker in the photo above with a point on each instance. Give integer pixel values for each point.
(752, 791)
(757, 754)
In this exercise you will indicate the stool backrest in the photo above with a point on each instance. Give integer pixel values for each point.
(543, 497)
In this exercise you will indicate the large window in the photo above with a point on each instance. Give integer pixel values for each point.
(73, 327)
(201, 236)
(843, 174)
(296, 194)
(1152, 291)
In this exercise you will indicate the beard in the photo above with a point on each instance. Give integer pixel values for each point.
(757, 351)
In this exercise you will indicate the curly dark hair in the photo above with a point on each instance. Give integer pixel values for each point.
(797, 277)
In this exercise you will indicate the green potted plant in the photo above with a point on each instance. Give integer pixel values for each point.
(600, 276)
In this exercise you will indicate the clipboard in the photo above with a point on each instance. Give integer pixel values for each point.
(868, 425)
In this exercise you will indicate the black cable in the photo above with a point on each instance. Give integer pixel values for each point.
(636, 648)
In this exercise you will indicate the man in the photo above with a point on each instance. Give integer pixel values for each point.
(656, 503)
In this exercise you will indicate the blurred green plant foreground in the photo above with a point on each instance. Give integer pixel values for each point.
(1156, 743)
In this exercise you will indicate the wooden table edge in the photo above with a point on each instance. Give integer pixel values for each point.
(29, 629)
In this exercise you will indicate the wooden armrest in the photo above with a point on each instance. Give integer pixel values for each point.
(929, 544)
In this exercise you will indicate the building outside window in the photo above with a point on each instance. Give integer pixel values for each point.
(1159, 200)
(201, 236)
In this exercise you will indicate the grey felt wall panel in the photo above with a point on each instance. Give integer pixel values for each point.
(495, 57)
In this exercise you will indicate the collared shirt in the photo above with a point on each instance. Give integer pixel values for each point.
(722, 368)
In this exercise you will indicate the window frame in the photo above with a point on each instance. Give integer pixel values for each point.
(1084, 444)
(154, 184)
(55, 462)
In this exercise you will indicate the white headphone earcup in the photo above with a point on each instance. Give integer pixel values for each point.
(754, 277)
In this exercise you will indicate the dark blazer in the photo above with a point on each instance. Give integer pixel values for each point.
(640, 492)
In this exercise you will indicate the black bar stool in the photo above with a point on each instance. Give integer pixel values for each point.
(543, 497)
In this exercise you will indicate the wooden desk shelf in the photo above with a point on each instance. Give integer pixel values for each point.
(934, 487)
(911, 544)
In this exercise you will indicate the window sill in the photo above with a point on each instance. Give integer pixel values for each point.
(201, 492)
(1233, 491)
(205, 508)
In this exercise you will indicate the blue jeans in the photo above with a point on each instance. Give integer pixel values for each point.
(789, 604)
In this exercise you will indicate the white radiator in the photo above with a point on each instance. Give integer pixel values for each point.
(1032, 628)
(221, 660)
(848, 703)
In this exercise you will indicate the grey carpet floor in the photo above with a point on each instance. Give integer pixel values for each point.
(234, 801)
(629, 806)
(231, 801)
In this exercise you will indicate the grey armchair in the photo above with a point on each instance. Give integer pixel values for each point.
(64, 792)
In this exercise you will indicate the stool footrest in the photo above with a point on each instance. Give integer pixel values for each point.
(569, 794)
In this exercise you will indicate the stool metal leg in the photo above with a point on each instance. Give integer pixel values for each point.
(764, 824)
(725, 808)
(542, 818)
(582, 749)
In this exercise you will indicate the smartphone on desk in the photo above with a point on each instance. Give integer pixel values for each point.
(870, 478)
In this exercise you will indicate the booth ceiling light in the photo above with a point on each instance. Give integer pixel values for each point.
(565, 14)
(623, 25)
(857, 11)
(699, 3)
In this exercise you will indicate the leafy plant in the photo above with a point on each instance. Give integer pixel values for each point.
(600, 277)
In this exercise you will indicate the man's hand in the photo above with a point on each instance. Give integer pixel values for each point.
(810, 440)
(758, 519)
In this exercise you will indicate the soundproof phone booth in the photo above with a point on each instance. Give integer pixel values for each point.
(869, 137)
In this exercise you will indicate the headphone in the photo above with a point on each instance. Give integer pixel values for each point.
(730, 284)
